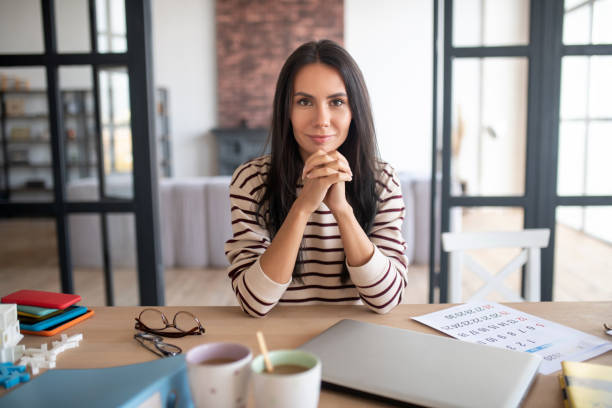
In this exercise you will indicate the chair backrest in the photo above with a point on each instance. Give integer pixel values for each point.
(530, 240)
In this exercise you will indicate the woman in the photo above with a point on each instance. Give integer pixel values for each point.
(319, 219)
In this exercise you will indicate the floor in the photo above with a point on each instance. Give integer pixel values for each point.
(28, 259)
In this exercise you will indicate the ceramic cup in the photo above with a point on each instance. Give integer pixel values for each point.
(223, 384)
(299, 390)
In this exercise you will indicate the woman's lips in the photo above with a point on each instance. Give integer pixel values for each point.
(320, 139)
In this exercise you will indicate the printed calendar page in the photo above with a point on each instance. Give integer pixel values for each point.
(492, 324)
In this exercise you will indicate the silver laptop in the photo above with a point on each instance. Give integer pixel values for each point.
(423, 369)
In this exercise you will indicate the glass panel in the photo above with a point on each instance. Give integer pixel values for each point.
(598, 223)
(72, 26)
(121, 232)
(103, 44)
(490, 23)
(86, 251)
(577, 25)
(21, 29)
(583, 254)
(588, 22)
(116, 131)
(120, 96)
(478, 219)
(80, 140)
(599, 165)
(24, 132)
(117, 17)
(574, 87)
(602, 15)
(110, 18)
(87, 260)
(119, 44)
(570, 4)
(489, 126)
(571, 216)
(600, 89)
(467, 23)
(585, 132)
(570, 180)
(101, 15)
(29, 257)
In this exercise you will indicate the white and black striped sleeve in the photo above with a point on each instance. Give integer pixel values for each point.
(381, 281)
(256, 293)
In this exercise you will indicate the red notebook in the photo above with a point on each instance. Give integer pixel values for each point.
(41, 298)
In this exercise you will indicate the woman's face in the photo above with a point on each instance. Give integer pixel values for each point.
(320, 113)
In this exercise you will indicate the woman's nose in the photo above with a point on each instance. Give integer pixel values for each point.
(322, 118)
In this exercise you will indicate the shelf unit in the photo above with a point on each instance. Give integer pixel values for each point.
(25, 150)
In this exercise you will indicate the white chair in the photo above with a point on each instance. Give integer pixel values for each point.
(530, 240)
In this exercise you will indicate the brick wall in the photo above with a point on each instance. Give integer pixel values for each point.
(254, 37)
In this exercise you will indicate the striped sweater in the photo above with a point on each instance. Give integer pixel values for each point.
(379, 283)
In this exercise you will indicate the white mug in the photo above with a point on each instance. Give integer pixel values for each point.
(298, 390)
(222, 384)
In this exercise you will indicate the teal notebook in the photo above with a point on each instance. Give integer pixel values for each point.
(159, 383)
(35, 310)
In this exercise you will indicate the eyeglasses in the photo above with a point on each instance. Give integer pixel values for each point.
(154, 321)
(155, 344)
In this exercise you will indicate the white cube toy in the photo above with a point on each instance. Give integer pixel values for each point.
(9, 334)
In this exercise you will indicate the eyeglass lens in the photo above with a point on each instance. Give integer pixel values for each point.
(185, 321)
(153, 319)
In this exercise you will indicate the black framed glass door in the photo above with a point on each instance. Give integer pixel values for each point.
(100, 132)
(520, 140)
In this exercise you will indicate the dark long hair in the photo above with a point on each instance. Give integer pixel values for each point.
(359, 148)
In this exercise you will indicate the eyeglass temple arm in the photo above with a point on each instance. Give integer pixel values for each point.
(155, 351)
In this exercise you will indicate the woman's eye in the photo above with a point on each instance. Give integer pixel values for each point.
(337, 102)
(303, 102)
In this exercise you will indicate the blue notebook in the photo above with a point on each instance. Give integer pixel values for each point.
(162, 382)
(70, 313)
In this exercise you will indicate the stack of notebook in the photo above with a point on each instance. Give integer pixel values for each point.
(46, 313)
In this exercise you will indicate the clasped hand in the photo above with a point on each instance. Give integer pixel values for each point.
(324, 175)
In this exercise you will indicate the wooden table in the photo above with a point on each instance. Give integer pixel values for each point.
(108, 335)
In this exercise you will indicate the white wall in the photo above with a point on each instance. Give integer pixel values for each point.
(185, 63)
(391, 40)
